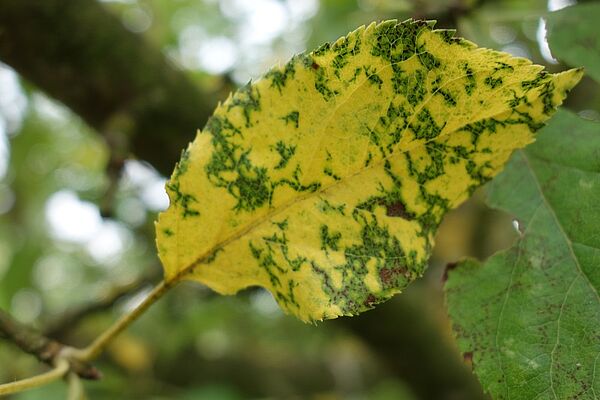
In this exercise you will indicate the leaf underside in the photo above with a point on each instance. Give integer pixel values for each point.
(325, 181)
(530, 316)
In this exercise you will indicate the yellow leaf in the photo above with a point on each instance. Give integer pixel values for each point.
(325, 181)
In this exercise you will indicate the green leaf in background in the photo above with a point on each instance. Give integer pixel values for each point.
(574, 36)
(530, 316)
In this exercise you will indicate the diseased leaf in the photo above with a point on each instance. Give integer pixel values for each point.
(531, 315)
(325, 181)
(574, 36)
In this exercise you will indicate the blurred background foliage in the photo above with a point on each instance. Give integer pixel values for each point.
(77, 208)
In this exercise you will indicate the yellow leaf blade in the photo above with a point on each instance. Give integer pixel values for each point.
(325, 181)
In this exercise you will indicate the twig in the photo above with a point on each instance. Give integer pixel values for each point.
(28, 339)
(67, 359)
(93, 350)
(43, 348)
(61, 368)
(71, 318)
(76, 390)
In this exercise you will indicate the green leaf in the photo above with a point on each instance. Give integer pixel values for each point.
(574, 36)
(325, 181)
(531, 315)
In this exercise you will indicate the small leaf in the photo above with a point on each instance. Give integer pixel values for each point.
(574, 36)
(531, 315)
(325, 181)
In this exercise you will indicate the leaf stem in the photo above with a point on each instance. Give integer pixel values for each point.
(75, 390)
(94, 349)
(70, 357)
(59, 370)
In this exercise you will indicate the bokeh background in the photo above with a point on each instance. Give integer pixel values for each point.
(87, 139)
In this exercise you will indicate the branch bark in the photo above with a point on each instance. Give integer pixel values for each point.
(79, 53)
(43, 348)
(27, 339)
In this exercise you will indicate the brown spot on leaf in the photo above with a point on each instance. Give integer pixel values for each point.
(315, 66)
(370, 300)
(449, 267)
(397, 209)
(468, 358)
(388, 275)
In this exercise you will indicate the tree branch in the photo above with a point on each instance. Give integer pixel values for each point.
(61, 368)
(76, 391)
(71, 318)
(80, 53)
(27, 339)
(43, 348)
(94, 349)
